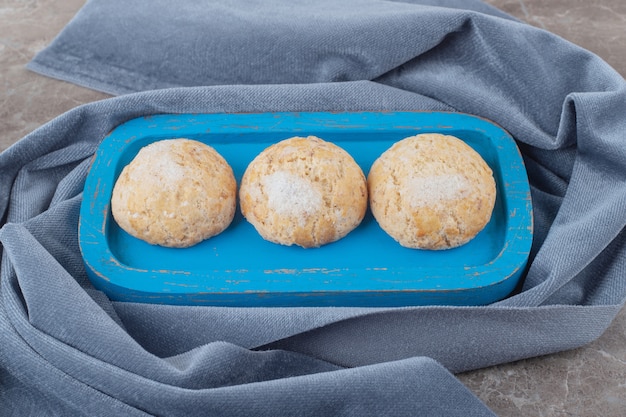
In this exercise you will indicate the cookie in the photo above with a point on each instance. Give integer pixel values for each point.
(431, 191)
(175, 193)
(303, 191)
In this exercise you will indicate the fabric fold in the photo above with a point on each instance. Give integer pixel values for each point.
(250, 42)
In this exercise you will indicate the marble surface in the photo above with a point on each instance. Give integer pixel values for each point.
(589, 381)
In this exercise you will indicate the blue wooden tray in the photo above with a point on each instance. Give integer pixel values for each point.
(366, 268)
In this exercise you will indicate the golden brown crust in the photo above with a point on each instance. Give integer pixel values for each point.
(303, 191)
(175, 193)
(431, 191)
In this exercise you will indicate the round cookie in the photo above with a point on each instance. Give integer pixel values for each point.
(303, 191)
(431, 191)
(175, 193)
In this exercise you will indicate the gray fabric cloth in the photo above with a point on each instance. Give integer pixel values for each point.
(65, 349)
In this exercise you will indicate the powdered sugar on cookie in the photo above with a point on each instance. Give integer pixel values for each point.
(425, 191)
(431, 191)
(291, 195)
(303, 191)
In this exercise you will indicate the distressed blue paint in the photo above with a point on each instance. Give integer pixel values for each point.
(366, 268)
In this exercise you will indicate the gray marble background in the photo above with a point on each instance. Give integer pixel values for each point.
(589, 381)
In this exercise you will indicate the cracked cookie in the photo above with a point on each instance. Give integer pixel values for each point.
(431, 191)
(303, 191)
(175, 193)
